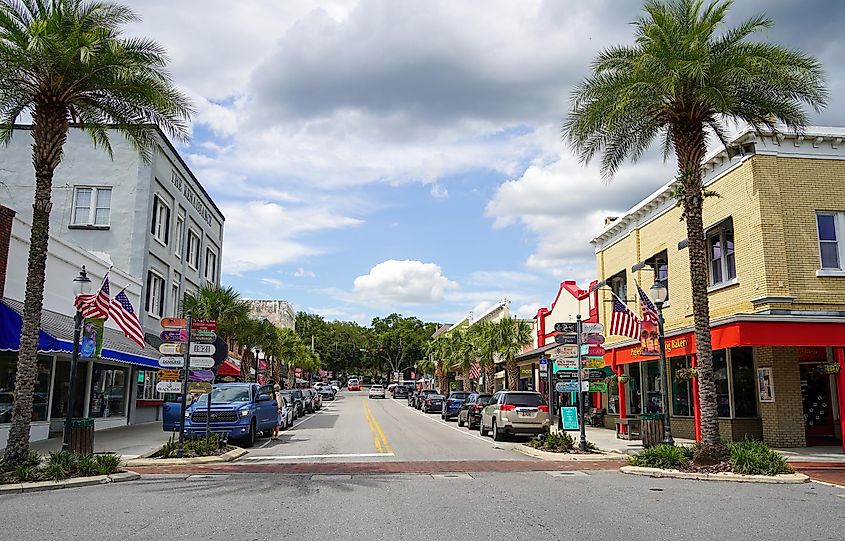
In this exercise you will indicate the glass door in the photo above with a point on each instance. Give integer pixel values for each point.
(818, 406)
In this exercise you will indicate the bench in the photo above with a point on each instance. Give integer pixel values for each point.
(628, 429)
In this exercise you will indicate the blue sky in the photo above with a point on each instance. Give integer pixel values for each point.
(374, 156)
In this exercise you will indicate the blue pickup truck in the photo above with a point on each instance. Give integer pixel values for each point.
(238, 411)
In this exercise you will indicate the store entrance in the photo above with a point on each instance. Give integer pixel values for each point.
(818, 406)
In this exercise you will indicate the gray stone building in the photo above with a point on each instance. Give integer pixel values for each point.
(279, 313)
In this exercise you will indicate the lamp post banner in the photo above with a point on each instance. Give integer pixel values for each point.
(91, 346)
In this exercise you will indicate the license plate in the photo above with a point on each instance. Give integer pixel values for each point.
(527, 414)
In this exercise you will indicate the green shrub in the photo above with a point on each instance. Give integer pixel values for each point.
(86, 465)
(203, 445)
(107, 463)
(55, 471)
(25, 473)
(667, 457)
(559, 442)
(66, 459)
(756, 458)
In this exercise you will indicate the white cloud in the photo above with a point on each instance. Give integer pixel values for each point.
(278, 284)
(302, 273)
(403, 282)
(438, 191)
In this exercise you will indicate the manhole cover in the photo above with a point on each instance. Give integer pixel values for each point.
(200, 477)
(451, 476)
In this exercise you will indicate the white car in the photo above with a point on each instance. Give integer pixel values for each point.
(377, 391)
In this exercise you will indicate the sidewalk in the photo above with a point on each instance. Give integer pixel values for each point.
(606, 440)
(128, 441)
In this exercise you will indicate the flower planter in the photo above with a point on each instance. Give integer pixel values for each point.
(831, 368)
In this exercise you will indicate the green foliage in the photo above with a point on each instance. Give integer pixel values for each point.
(55, 471)
(107, 463)
(222, 304)
(756, 458)
(667, 457)
(63, 465)
(67, 460)
(26, 473)
(193, 446)
(559, 442)
(86, 465)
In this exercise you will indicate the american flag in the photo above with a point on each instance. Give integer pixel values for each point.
(95, 305)
(474, 371)
(124, 316)
(623, 322)
(649, 311)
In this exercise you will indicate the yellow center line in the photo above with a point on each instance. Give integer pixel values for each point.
(382, 445)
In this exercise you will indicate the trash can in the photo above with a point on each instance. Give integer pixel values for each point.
(82, 436)
(651, 428)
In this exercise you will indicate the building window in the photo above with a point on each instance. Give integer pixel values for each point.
(618, 283)
(830, 224)
(720, 375)
(155, 294)
(635, 399)
(175, 300)
(210, 265)
(193, 250)
(659, 263)
(743, 382)
(651, 385)
(180, 235)
(160, 227)
(108, 391)
(146, 386)
(613, 398)
(40, 395)
(720, 252)
(681, 389)
(91, 206)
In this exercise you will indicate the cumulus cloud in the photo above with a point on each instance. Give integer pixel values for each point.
(404, 282)
(438, 191)
(302, 273)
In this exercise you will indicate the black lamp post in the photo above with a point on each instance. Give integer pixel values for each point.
(81, 286)
(659, 293)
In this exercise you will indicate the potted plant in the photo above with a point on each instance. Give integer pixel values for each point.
(685, 374)
(624, 378)
(831, 368)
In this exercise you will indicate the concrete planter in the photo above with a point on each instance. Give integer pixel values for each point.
(74, 482)
(229, 456)
(783, 479)
(546, 455)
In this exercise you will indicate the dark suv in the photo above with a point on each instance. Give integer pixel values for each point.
(400, 391)
(470, 413)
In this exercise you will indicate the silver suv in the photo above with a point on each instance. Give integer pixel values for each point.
(518, 413)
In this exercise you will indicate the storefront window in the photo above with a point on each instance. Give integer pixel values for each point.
(635, 399)
(720, 375)
(651, 385)
(681, 389)
(60, 387)
(108, 391)
(146, 385)
(743, 374)
(8, 374)
(613, 398)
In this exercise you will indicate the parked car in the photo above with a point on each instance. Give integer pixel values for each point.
(326, 392)
(298, 404)
(288, 413)
(238, 410)
(423, 394)
(400, 391)
(412, 397)
(376, 391)
(307, 400)
(519, 413)
(470, 412)
(353, 385)
(452, 405)
(432, 402)
(316, 398)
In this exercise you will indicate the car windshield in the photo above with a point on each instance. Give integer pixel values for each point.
(222, 395)
(459, 396)
(484, 399)
(524, 399)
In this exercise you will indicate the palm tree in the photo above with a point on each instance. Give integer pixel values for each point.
(463, 354)
(222, 304)
(486, 347)
(684, 79)
(67, 61)
(512, 335)
(283, 349)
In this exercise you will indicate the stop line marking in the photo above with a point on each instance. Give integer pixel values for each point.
(302, 457)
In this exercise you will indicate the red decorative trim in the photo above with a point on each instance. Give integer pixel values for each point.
(140, 402)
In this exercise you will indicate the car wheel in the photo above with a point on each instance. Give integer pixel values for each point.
(497, 434)
(249, 441)
(481, 429)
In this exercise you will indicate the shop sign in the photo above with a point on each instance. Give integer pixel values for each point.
(595, 374)
(202, 362)
(525, 372)
(199, 387)
(169, 374)
(169, 387)
(171, 362)
(569, 415)
(202, 349)
(594, 362)
(566, 339)
(544, 365)
(592, 350)
(565, 351)
(566, 364)
(171, 349)
(173, 323)
(598, 386)
(567, 327)
(597, 339)
(204, 325)
(174, 336)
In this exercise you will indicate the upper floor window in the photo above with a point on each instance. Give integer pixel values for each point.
(720, 253)
(659, 263)
(175, 299)
(618, 283)
(91, 206)
(830, 225)
(160, 227)
(210, 265)
(180, 235)
(155, 294)
(193, 250)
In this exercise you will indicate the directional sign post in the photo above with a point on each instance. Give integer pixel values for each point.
(169, 386)
(171, 349)
(203, 337)
(169, 374)
(200, 387)
(566, 339)
(201, 362)
(569, 327)
(592, 328)
(171, 362)
(172, 323)
(201, 349)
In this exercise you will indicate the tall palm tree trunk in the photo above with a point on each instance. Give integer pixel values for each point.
(291, 376)
(246, 364)
(513, 375)
(489, 376)
(690, 145)
(467, 382)
(49, 132)
(438, 376)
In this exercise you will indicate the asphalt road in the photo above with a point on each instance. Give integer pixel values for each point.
(509, 506)
(354, 428)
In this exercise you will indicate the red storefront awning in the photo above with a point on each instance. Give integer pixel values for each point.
(742, 333)
(228, 368)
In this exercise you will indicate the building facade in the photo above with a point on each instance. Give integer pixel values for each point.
(777, 292)
(279, 313)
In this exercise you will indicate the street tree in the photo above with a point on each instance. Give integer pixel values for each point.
(223, 305)
(684, 79)
(63, 62)
(511, 336)
(397, 341)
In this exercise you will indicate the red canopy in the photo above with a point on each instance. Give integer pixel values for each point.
(228, 368)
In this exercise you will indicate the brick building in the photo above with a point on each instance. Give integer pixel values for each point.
(776, 263)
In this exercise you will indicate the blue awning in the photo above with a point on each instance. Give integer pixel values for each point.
(116, 347)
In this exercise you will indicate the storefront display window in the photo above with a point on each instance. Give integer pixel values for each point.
(635, 401)
(744, 382)
(60, 387)
(651, 385)
(146, 385)
(681, 389)
(108, 391)
(613, 398)
(41, 395)
(720, 375)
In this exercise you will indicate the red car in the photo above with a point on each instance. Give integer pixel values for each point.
(353, 385)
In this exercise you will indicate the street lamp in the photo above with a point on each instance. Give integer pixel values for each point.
(81, 286)
(659, 293)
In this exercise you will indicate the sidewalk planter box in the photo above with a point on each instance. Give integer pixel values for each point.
(651, 427)
(82, 436)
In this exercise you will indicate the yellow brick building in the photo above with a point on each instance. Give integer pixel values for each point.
(776, 263)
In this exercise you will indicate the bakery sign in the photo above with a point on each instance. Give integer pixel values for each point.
(674, 346)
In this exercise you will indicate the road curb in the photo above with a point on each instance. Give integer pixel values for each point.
(75, 482)
(546, 455)
(228, 456)
(783, 479)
